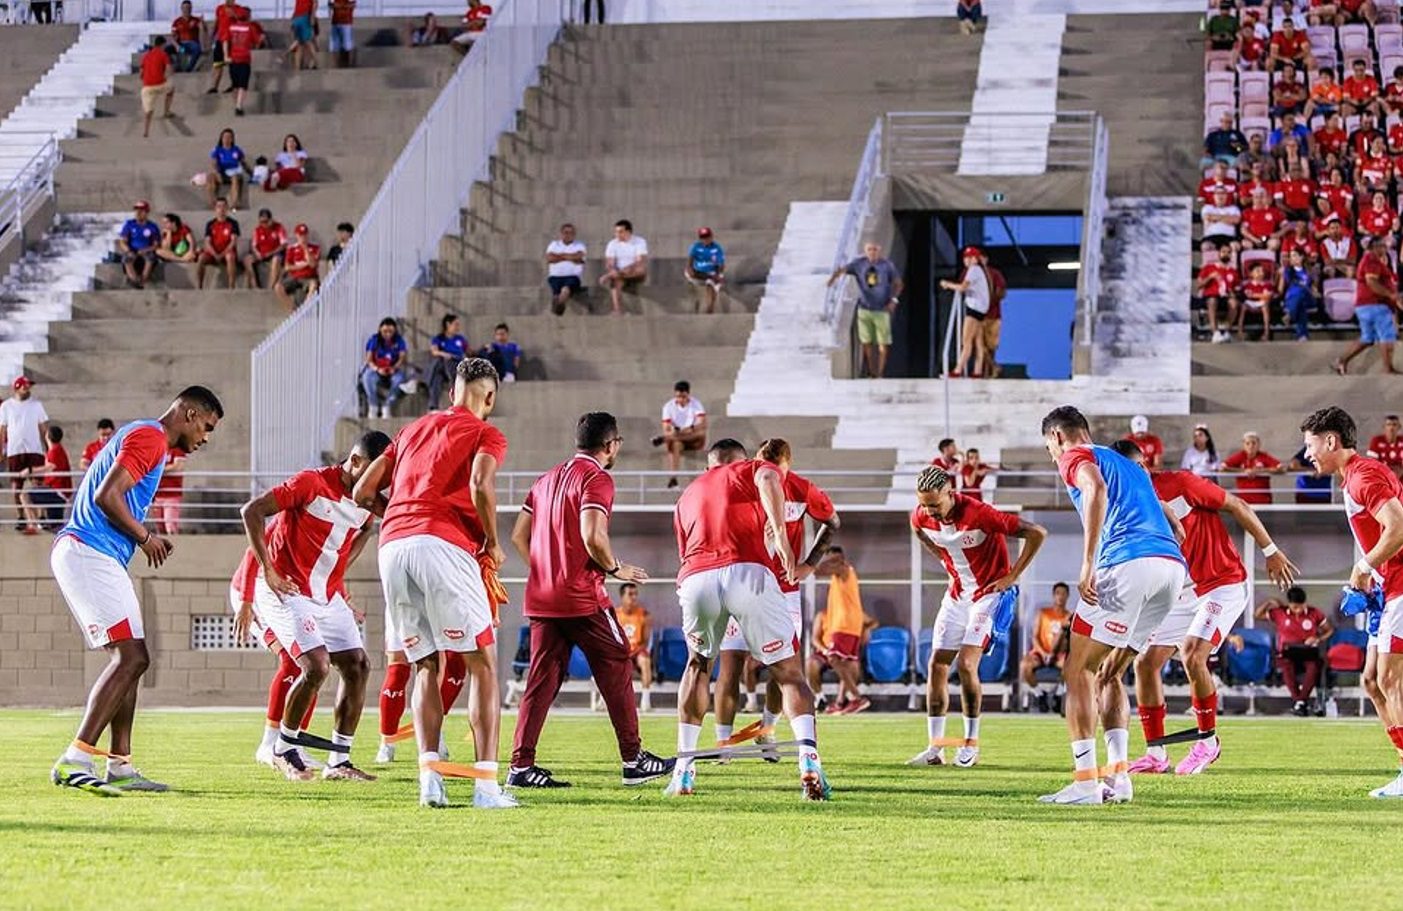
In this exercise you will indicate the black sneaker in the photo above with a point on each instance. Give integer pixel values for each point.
(646, 768)
(657, 440)
(534, 777)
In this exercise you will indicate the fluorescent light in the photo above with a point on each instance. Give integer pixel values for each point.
(1069, 266)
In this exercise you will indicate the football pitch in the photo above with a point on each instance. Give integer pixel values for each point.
(1283, 820)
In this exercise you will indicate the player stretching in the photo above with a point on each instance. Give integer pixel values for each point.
(89, 561)
(300, 594)
(968, 536)
(1202, 615)
(802, 498)
(1372, 503)
(1131, 573)
(394, 693)
(437, 540)
(726, 521)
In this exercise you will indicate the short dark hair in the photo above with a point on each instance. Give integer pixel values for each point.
(628, 585)
(347, 227)
(1127, 448)
(1062, 585)
(1295, 595)
(389, 321)
(1065, 418)
(223, 199)
(158, 41)
(775, 450)
(625, 224)
(1333, 419)
(372, 443)
(202, 398)
(105, 424)
(501, 327)
(55, 434)
(682, 386)
(472, 369)
(1397, 72)
(263, 212)
(940, 447)
(594, 430)
(1390, 417)
(1357, 61)
(728, 446)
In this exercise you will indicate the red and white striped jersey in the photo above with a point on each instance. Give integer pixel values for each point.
(311, 537)
(972, 543)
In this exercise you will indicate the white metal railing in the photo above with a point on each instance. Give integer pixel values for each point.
(304, 374)
(31, 187)
(917, 141)
(850, 234)
(1093, 230)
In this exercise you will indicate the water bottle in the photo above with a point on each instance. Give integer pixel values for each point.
(1332, 708)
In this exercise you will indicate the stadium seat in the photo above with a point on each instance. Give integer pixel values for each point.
(925, 644)
(1254, 110)
(578, 669)
(889, 654)
(1253, 87)
(1216, 61)
(1355, 639)
(1250, 125)
(1339, 299)
(994, 666)
(1266, 257)
(1391, 59)
(1354, 44)
(1388, 37)
(670, 657)
(522, 659)
(1254, 663)
(1218, 93)
(1213, 111)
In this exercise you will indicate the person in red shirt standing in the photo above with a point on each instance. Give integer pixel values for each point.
(562, 535)
(730, 536)
(45, 503)
(105, 429)
(947, 456)
(155, 83)
(269, 244)
(1387, 447)
(221, 244)
(304, 14)
(438, 551)
(1254, 465)
(1301, 628)
(302, 264)
(343, 33)
(170, 493)
(244, 36)
(1203, 616)
(1373, 505)
(224, 15)
(1375, 300)
(972, 475)
(1150, 446)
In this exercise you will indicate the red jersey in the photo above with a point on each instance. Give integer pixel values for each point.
(1361, 139)
(57, 457)
(1307, 245)
(564, 581)
(243, 38)
(91, 450)
(302, 8)
(476, 17)
(1328, 140)
(1254, 489)
(719, 520)
(302, 262)
(1393, 97)
(224, 15)
(1151, 446)
(310, 539)
(948, 465)
(1344, 249)
(172, 483)
(1262, 223)
(242, 583)
(187, 28)
(802, 497)
(1386, 452)
(1371, 265)
(1360, 88)
(1218, 279)
(1210, 185)
(268, 240)
(972, 544)
(1375, 172)
(1258, 292)
(1295, 628)
(1295, 193)
(1253, 49)
(430, 463)
(1375, 222)
(1213, 561)
(1368, 486)
(343, 12)
(221, 233)
(1247, 188)
(1293, 47)
(154, 64)
(972, 478)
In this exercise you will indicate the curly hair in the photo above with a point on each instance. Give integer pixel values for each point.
(932, 477)
(472, 369)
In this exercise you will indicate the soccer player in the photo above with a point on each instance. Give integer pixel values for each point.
(89, 561)
(726, 522)
(394, 692)
(802, 498)
(1131, 573)
(1203, 615)
(317, 531)
(562, 533)
(968, 537)
(438, 542)
(1374, 505)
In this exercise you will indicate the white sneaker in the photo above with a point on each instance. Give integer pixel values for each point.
(493, 800)
(264, 755)
(966, 757)
(1393, 789)
(385, 755)
(384, 412)
(1118, 789)
(928, 756)
(1078, 793)
(1219, 337)
(316, 765)
(431, 793)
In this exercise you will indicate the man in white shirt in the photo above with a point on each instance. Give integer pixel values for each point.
(625, 263)
(24, 425)
(684, 427)
(565, 267)
(1220, 219)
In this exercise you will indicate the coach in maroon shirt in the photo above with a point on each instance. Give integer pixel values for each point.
(563, 535)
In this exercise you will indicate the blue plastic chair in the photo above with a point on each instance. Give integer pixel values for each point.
(670, 655)
(889, 654)
(523, 647)
(925, 644)
(994, 666)
(578, 669)
(1350, 636)
(1253, 663)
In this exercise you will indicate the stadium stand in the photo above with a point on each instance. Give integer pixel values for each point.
(26, 53)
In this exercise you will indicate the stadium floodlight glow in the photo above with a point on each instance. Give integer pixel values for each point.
(1070, 265)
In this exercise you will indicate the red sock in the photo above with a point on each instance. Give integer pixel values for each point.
(455, 674)
(1152, 721)
(1396, 735)
(282, 681)
(392, 698)
(307, 715)
(1206, 711)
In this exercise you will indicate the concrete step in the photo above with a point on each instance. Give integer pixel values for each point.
(172, 276)
(1267, 359)
(112, 335)
(624, 334)
(664, 240)
(194, 104)
(107, 139)
(595, 222)
(628, 194)
(1357, 393)
(781, 163)
(157, 303)
(663, 271)
(213, 366)
(534, 300)
(416, 71)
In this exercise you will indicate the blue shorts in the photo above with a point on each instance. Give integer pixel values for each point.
(1376, 324)
(342, 39)
(972, 14)
(302, 28)
(557, 282)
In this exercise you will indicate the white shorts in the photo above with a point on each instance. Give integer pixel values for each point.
(964, 622)
(393, 641)
(735, 642)
(1390, 636)
(750, 593)
(300, 624)
(1133, 599)
(99, 592)
(434, 596)
(1210, 616)
(256, 629)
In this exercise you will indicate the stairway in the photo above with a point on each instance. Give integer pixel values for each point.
(1017, 76)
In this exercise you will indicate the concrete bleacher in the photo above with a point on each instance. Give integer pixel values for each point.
(26, 53)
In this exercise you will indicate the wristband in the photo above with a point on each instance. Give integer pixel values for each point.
(145, 539)
(1363, 566)
(1271, 550)
(618, 565)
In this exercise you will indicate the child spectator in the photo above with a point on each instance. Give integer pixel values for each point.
(302, 269)
(504, 353)
(170, 493)
(267, 249)
(155, 84)
(48, 499)
(289, 166)
(344, 232)
(447, 349)
(1296, 286)
(260, 171)
(188, 31)
(1047, 632)
(972, 475)
(1300, 631)
(244, 36)
(221, 244)
(1217, 285)
(1253, 465)
(565, 268)
(105, 429)
(1201, 456)
(138, 242)
(1151, 447)
(636, 623)
(343, 33)
(1325, 96)
(1257, 294)
(227, 165)
(177, 241)
(385, 355)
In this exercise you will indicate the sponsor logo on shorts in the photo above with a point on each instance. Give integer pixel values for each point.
(1117, 627)
(772, 646)
(411, 641)
(1213, 607)
(309, 625)
(454, 634)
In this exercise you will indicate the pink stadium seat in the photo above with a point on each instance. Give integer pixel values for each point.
(1265, 257)
(1321, 36)
(1215, 93)
(1388, 37)
(1253, 87)
(1215, 61)
(1250, 125)
(1387, 10)
(1354, 43)
(1212, 111)
(1254, 110)
(1351, 123)
(1228, 79)
(1389, 62)
(1339, 299)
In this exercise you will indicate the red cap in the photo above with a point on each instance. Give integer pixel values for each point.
(703, 232)
(971, 251)
(142, 204)
(300, 229)
(22, 382)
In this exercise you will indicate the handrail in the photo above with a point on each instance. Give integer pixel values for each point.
(859, 207)
(953, 329)
(1093, 230)
(31, 186)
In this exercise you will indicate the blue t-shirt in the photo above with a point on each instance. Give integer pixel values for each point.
(386, 354)
(706, 259)
(455, 345)
(1298, 284)
(145, 453)
(228, 159)
(1300, 131)
(1135, 524)
(141, 235)
(507, 353)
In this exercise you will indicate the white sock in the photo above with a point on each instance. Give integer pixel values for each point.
(424, 760)
(935, 729)
(723, 732)
(1084, 755)
(1117, 746)
(1157, 752)
(767, 718)
(687, 737)
(647, 700)
(77, 756)
(270, 736)
(286, 736)
(119, 766)
(971, 728)
(488, 785)
(806, 729)
(340, 756)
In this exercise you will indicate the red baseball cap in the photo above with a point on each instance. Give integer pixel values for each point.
(971, 251)
(142, 204)
(22, 382)
(703, 232)
(300, 229)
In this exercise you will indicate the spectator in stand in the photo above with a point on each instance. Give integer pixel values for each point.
(1289, 94)
(1294, 192)
(474, 24)
(1286, 11)
(1393, 97)
(188, 33)
(343, 32)
(1290, 152)
(974, 285)
(1362, 139)
(301, 269)
(304, 47)
(1262, 223)
(224, 15)
(1257, 294)
(1375, 299)
(24, 426)
(385, 357)
(245, 36)
(1290, 128)
(447, 349)
(684, 427)
(994, 319)
(1331, 138)
(1151, 446)
(1220, 222)
(137, 242)
(637, 626)
(1311, 485)
(1349, 11)
(947, 456)
(1296, 286)
(1300, 631)
(844, 625)
(1217, 285)
(706, 268)
(221, 244)
(503, 353)
(1337, 193)
(625, 263)
(969, 13)
(879, 287)
(1256, 153)
(1387, 447)
(48, 499)
(170, 493)
(1250, 50)
(598, 6)
(1201, 456)
(105, 429)
(228, 164)
(1300, 239)
(426, 33)
(1374, 171)
(565, 268)
(1224, 143)
(1338, 251)
(1220, 32)
(1289, 44)
(972, 475)
(177, 241)
(155, 83)
(1254, 466)
(1258, 178)
(1220, 179)
(344, 232)
(1361, 91)
(1047, 632)
(289, 165)
(1379, 220)
(267, 249)
(1325, 96)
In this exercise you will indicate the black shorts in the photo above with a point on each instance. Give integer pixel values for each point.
(149, 254)
(1218, 241)
(293, 285)
(216, 56)
(239, 74)
(975, 315)
(557, 282)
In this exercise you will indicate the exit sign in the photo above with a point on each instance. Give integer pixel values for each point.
(995, 198)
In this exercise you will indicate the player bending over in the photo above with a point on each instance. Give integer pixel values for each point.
(1203, 614)
(89, 560)
(316, 532)
(1131, 573)
(968, 537)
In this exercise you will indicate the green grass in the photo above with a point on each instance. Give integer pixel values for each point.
(1282, 820)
